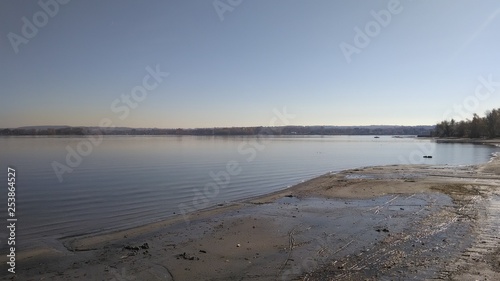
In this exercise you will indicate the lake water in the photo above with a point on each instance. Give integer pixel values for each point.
(131, 180)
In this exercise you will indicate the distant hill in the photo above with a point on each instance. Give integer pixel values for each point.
(42, 127)
(62, 127)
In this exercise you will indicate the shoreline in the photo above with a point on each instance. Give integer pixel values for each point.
(121, 249)
(494, 142)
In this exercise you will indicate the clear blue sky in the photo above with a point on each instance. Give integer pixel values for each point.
(233, 72)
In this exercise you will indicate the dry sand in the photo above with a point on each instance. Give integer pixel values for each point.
(376, 223)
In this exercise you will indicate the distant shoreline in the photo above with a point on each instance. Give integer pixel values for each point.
(494, 142)
(373, 130)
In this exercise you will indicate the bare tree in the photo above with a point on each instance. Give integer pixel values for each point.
(491, 119)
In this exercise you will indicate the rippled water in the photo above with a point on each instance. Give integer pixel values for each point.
(132, 180)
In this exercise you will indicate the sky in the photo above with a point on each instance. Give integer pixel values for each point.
(206, 63)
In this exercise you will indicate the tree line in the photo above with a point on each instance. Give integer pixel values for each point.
(477, 127)
(227, 131)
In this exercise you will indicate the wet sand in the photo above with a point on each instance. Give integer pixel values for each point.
(375, 223)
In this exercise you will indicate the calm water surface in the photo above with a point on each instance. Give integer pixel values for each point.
(132, 180)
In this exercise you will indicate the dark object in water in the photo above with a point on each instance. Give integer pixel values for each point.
(427, 156)
(376, 137)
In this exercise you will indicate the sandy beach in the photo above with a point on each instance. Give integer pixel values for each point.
(376, 223)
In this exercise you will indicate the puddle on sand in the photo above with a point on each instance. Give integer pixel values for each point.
(358, 176)
(340, 238)
(325, 230)
(416, 231)
(403, 175)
